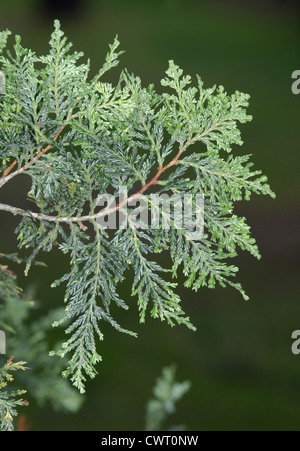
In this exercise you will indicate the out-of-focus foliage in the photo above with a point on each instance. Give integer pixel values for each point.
(167, 392)
(10, 399)
(29, 339)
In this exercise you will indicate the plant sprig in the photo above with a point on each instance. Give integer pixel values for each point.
(77, 138)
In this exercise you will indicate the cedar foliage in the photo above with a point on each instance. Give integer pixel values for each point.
(76, 136)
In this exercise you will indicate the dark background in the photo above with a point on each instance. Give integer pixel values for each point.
(243, 373)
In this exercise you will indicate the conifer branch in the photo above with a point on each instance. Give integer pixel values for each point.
(6, 174)
(116, 137)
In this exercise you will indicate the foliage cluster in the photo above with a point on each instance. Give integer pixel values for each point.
(76, 136)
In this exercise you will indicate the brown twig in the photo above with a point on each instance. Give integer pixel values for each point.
(7, 173)
(9, 169)
(9, 360)
(50, 146)
(23, 423)
(153, 181)
(92, 217)
(8, 271)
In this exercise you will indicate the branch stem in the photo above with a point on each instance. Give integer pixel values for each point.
(8, 175)
(81, 219)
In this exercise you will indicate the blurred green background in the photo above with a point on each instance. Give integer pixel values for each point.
(243, 373)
